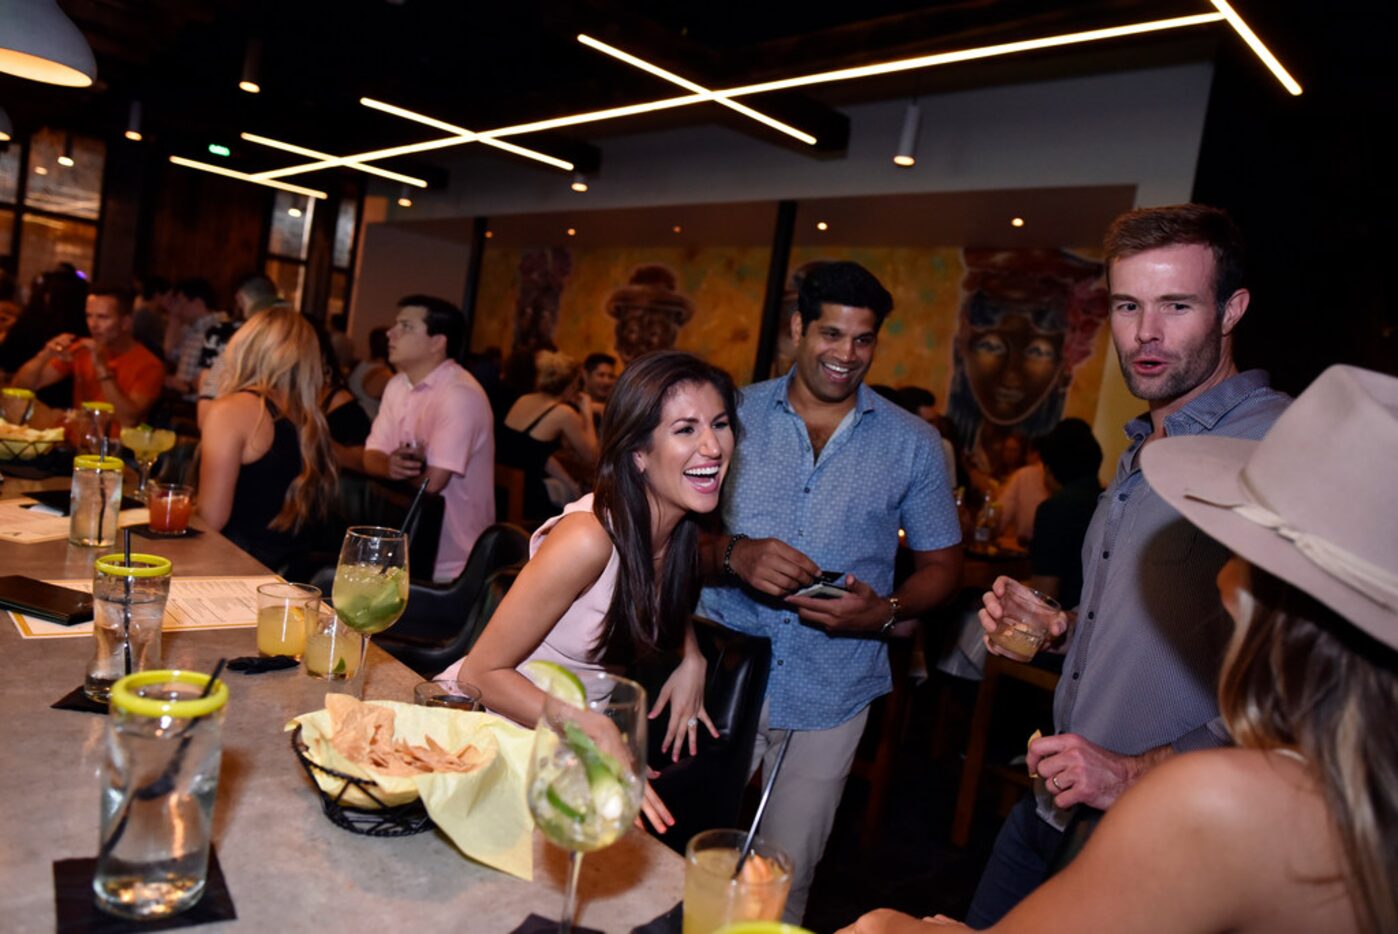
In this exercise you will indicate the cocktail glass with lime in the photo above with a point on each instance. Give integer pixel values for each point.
(585, 781)
(147, 444)
(371, 581)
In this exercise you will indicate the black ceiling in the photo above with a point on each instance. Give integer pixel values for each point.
(484, 65)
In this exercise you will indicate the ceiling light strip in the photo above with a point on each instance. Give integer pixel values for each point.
(1258, 48)
(465, 134)
(845, 74)
(303, 151)
(245, 177)
(688, 85)
(966, 55)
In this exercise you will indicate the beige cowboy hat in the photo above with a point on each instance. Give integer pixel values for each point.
(1315, 502)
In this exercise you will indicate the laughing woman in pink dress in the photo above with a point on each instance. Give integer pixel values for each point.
(613, 580)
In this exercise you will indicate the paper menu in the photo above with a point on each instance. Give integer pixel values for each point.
(194, 603)
(25, 526)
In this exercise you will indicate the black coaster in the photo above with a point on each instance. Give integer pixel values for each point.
(77, 700)
(538, 924)
(145, 532)
(78, 912)
(670, 922)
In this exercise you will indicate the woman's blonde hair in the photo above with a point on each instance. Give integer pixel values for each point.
(276, 353)
(556, 372)
(1304, 678)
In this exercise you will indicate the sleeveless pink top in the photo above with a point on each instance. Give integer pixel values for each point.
(572, 638)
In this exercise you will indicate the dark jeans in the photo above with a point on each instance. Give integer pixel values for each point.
(1024, 852)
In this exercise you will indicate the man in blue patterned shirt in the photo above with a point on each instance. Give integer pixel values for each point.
(825, 475)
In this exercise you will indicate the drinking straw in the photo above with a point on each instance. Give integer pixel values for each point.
(126, 604)
(417, 502)
(165, 781)
(102, 499)
(762, 805)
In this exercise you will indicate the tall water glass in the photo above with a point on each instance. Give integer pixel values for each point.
(95, 503)
(158, 784)
(128, 606)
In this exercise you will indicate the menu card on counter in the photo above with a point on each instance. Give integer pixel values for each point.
(194, 603)
(25, 521)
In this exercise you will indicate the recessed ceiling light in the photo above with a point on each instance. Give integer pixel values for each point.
(822, 225)
(133, 135)
(489, 234)
(40, 170)
(677, 228)
(65, 161)
(579, 182)
(405, 202)
(572, 232)
(1016, 222)
(294, 212)
(250, 86)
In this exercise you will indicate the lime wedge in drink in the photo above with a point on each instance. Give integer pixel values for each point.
(603, 772)
(556, 681)
(369, 600)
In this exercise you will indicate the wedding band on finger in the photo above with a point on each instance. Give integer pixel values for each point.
(693, 722)
(1054, 781)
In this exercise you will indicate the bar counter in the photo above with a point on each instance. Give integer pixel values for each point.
(288, 868)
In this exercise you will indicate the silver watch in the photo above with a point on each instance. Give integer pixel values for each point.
(893, 607)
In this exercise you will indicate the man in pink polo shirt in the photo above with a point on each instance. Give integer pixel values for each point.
(435, 416)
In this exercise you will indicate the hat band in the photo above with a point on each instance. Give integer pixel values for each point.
(1374, 582)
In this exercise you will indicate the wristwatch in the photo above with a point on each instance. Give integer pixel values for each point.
(893, 607)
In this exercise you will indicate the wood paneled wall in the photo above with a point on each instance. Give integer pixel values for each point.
(203, 225)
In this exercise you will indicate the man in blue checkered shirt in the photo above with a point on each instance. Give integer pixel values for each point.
(825, 475)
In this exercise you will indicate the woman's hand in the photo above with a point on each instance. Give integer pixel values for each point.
(684, 692)
(608, 738)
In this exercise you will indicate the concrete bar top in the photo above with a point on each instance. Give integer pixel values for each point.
(288, 868)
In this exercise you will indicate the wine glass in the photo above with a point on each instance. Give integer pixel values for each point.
(586, 773)
(371, 582)
(147, 444)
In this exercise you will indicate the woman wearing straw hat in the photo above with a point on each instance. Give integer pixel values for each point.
(1294, 830)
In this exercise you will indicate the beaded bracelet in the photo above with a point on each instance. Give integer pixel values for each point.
(728, 554)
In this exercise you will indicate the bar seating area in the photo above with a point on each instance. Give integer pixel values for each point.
(619, 467)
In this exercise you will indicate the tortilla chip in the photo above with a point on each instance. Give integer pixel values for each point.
(1036, 735)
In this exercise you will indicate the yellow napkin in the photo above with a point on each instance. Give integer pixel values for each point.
(484, 812)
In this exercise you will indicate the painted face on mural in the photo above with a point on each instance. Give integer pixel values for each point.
(641, 329)
(1012, 364)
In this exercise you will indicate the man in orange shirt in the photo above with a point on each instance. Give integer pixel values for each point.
(110, 366)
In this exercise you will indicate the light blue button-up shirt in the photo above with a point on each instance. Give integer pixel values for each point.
(882, 470)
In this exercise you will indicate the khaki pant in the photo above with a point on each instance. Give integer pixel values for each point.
(802, 808)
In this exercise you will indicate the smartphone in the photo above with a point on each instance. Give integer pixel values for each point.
(46, 601)
(828, 586)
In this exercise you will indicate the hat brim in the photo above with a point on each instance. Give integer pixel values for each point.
(1187, 471)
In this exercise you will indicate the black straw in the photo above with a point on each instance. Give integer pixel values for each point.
(416, 504)
(126, 605)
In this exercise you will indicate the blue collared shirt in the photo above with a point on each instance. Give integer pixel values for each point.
(1143, 662)
(881, 470)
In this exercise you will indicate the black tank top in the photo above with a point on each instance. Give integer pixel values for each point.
(260, 492)
(520, 450)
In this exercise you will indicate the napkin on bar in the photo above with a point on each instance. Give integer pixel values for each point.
(484, 811)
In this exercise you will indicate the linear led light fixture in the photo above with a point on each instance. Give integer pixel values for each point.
(315, 154)
(493, 137)
(245, 177)
(688, 85)
(1258, 49)
(468, 135)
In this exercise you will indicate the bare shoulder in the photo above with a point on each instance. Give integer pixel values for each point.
(1231, 786)
(235, 411)
(578, 539)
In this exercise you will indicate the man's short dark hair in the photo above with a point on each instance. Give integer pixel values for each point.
(841, 283)
(441, 317)
(1177, 225)
(593, 360)
(124, 298)
(1070, 452)
(197, 288)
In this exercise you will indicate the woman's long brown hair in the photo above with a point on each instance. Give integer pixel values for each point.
(644, 619)
(1305, 678)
